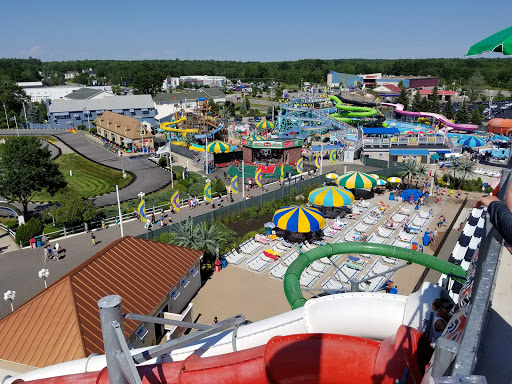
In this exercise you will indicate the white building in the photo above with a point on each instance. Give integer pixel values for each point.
(38, 92)
(201, 81)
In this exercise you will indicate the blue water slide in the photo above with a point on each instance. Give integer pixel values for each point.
(209, 134)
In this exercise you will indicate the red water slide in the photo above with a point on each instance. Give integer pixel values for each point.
(304, 358)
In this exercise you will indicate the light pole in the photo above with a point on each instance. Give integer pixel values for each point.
(25, 112)
(6, 118)
(43, 274)
(53, 219)
(16, 122)
(141, 195)
(88, 120)
(119, 209)
(9, 297)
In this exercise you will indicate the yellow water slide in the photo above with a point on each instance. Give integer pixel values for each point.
(168, 127)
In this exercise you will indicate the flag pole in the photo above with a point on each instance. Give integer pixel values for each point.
(243, 180)
(321, 157)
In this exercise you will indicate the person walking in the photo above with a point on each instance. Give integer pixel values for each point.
(153, 221)
(117, 222)
(102, 224)
(93, 239)
(86, 228)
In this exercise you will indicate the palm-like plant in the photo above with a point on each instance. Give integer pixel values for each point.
(185, 234)
(421, 171)
(207, 239)
(466, 167)
(409, 170)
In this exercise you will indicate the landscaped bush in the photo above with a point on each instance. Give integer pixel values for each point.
(31, 229)
(219, 186)
(196, 189)
(163, 161)
(186, 183)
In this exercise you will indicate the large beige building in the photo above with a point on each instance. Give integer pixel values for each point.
(124, 130)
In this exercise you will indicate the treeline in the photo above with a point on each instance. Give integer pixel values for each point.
(496, 72)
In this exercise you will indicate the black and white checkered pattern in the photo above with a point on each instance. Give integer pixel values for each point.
(464, 250)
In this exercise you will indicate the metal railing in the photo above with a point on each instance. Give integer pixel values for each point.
(8, 230)
(429, 139)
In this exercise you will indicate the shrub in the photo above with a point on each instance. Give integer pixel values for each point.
(196, 189)
(219, 186)
(183, 190)
(249, 235)
(162, 161)
(31, 229)
(11, 223)
(186, 183)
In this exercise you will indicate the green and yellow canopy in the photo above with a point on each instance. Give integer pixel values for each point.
(353, 180)
(218, 147)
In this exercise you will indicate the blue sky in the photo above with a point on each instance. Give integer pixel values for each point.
(243, 30)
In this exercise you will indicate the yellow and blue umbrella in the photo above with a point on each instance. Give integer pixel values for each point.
(141, 210)
(298, 218)
(331, 197)
(353, 180)
(381, 182)
(258, 176)
(234, 185)
(394, 180)
(471, 142)
(300, 165)
(208, 192)
(218, 147)
(332, 156)
(175, 201)
(255, 138)
(318, 159)
(265, 125)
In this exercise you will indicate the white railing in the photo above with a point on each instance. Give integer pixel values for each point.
(377, 141)
(8, 230)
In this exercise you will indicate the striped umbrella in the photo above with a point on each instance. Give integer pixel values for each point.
(471, 142)
(299, 218)
(331, 197)
(374, 176)
(217, 147)
(409, 132)
(255, 138)
(331, 176)
(265, 125)
(381, 182)
(395, 180)
(356, 180)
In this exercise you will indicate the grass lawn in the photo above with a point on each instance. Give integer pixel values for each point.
(89, 179)
(43, 137)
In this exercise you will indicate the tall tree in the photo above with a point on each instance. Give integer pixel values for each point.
(416, 102)
(448, 109)
(462, 115)
(26, 168)
(403, 98)
(409, 170)
(433, 101)
(13, 97)
(476, 118)
(475, 85)
(424, 105)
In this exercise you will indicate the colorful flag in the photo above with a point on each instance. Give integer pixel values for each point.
(141, 210)
(208, 191)
(318, 159)
(234, 185)
(300, 165)
(175, 201)
(282, 172)
(332, 156)
(258, 177)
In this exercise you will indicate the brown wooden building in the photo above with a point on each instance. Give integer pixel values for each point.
(123, 130)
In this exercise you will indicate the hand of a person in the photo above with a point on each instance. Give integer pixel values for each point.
(485, 201)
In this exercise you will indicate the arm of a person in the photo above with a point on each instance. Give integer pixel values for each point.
(501, 218)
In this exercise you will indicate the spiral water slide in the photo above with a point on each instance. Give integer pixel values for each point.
(399, 108)
(357, 109)
(169, 127)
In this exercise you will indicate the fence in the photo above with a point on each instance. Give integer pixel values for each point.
(389, 169)
(183, 151)
(8, 230)
(237, 208)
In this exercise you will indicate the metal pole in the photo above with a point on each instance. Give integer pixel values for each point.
(119, 209)
(110, 312)
(321, 158)
(170, 160)
(16, 122)
(6, 118)
(25, 112)
(243, 181)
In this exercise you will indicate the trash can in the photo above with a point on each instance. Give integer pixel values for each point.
(414, 246)
(392, 196)
(39, 242)
(224, 263)
(217, 265)
(33, 243)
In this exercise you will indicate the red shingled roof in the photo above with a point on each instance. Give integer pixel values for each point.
(393, 88)
(62, 323)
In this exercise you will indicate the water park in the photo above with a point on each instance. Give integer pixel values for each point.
(373, 293)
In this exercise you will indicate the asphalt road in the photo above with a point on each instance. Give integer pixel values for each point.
(148, 176)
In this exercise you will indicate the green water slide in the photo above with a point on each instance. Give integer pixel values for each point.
(292, 288)
(350, 111)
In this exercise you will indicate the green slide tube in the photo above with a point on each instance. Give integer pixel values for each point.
(352, 111)
(292, 288)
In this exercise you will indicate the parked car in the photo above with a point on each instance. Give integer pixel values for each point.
(257, 119)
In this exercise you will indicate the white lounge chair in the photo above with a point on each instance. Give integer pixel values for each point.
(418, 222)
(318, 266)
(234, 258)
(375, 239)
(407, 237)
(308, 280)
(257, 264)
(378, 267)
(389, 260)
(332, 286)
(351, 235)
(401, 244)
(384, 232)
(291, 258)
(363, 203)
(398, 217)
(423, 214)
(375, 284)
(405, 211)
(348, 273)
(361, 227)
(278, 271)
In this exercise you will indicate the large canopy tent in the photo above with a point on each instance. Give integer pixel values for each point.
(299, 218)
(499, 42)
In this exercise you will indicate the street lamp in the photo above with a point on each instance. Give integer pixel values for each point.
(43, 274)
(9, 297)
(119, 209)
(88, 120)
(141, 195)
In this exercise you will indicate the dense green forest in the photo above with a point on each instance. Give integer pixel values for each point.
(496, 72)
(147, 76)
